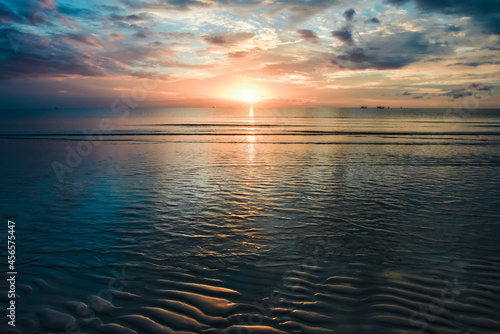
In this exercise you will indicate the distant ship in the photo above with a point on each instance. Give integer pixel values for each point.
(380, 107)
(364, 107)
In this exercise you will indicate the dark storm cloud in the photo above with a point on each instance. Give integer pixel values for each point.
(484, 12)
(308, 35)
(349, 14)
(389, 52)
(344, 36)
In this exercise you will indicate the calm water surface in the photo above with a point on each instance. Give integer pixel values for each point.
(253, 221)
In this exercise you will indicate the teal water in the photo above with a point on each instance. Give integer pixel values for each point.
(254, 221)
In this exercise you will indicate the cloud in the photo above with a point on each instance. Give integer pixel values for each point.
(344, 36)
(183, 36)
(475, 63)
(30, 12)
(453, 28)
(37, 56)
(479, 86)
(389, 52)
(180, 5)
(457, 93)
(294, 69)
(417, 97)
(238, 54)
(141, 34)
(78, 12)
(202, 39)
(129, 18)
(484, 12)
(7, 16)
(359, 59)
(308, 35)
(300, 10)
(24, 64)
(131, 57)
(215, 40)
(397, 2)
(227, 39)
(468, 91)
(84, 39)
(116, 36)
(349, 14)
(51, 4)
(373, 20)
(434, 60)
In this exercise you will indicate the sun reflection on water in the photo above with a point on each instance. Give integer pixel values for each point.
(251, 148)
(250, 114)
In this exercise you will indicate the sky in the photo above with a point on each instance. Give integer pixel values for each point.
(222, 53)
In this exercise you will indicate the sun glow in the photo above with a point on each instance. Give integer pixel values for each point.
(248, 94)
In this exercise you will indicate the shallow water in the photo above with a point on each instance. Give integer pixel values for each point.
(254, 221)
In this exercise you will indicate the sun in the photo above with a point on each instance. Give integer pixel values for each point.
(248, 94)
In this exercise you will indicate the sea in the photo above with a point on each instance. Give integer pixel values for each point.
(250, 220)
